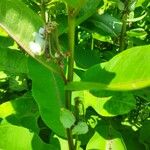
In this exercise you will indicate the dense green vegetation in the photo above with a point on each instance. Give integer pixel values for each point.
(75, 75)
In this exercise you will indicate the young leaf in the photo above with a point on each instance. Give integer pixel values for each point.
(67, 118)
(80, 128)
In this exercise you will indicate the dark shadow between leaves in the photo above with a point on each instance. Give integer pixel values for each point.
(38, 144)
(6, 41)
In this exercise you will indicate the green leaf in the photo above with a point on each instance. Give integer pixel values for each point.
(67, 118)
(88, 9)
(106, 138)
(139, 3)
(73, 3)
(78, 86)
(129, 70)
(60, 143)
(80, 128)
(17, 82)
(121, 5)
(145, 133)
(6, 41)
(13, 61)
(86, 58)
(21, 23)
(110, 103)
(22, 111)
(6, 109)
(137, 33)
(48, 91)
(137, 19)
(143, 93)
(131, 138)
(104, 25)
(19, 138)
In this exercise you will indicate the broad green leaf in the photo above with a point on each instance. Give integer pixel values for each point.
(13, 61)
(22, 106)
(106, 138)
(48, 91)
(78, 86)
(67, 118)
(22, 111)
(19, 138)
(22, 23)
(129, 70)
(110, 103)
(19, 21)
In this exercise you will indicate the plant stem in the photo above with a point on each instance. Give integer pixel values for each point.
(123, 33)
(71, 43)
(43, 15)
(71, 38)
(122, 39)
(70, 139)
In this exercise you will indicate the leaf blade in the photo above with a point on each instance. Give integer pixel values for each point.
(128, 70)
(48, 91)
